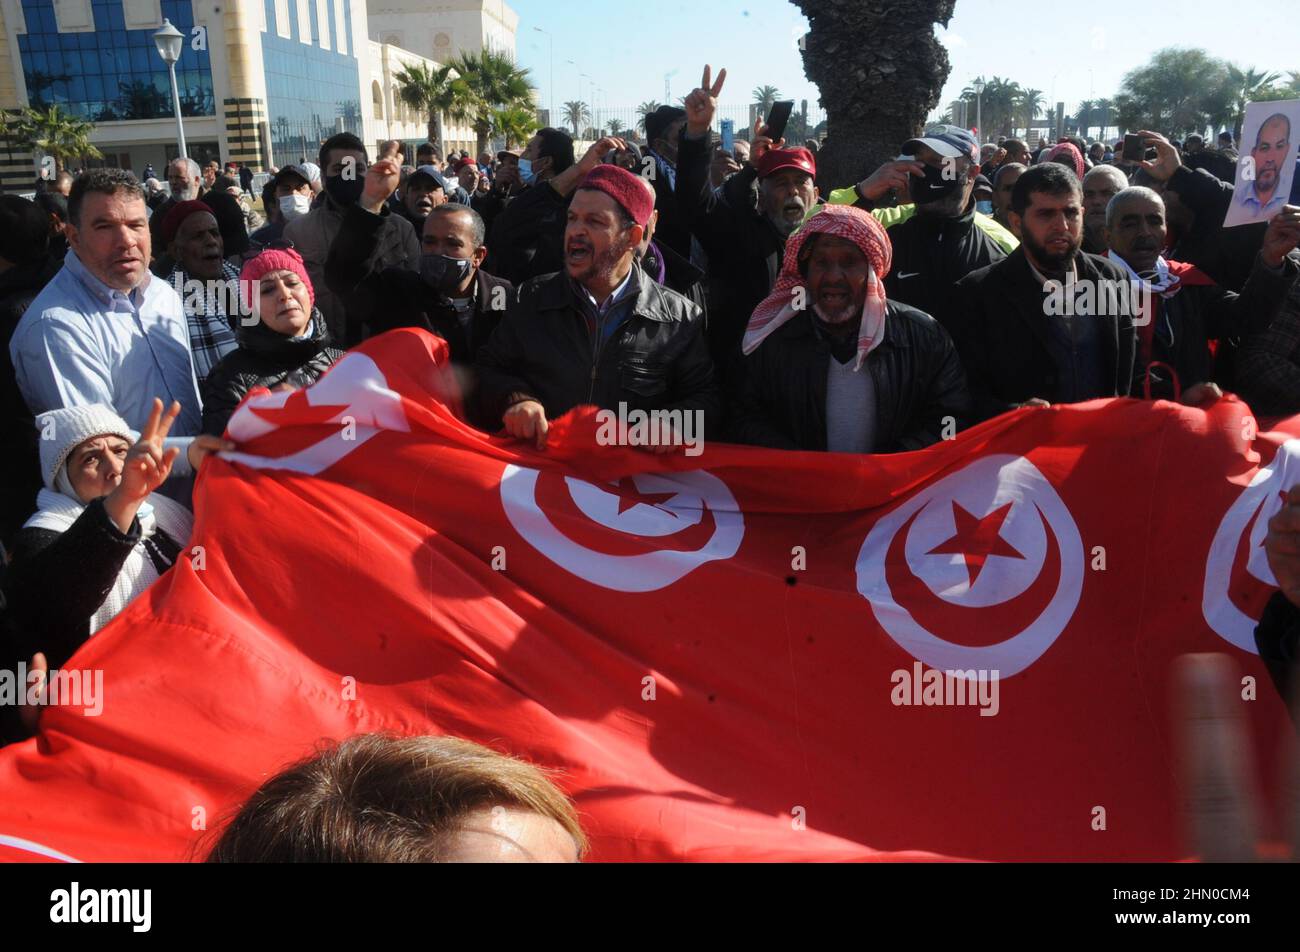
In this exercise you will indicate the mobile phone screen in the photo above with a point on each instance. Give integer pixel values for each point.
(778, 118)
(1134, 149)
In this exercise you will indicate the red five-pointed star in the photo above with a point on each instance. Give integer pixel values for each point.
(977, 539)
(299, 412)
(629, 497)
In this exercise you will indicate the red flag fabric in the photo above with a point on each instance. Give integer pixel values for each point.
(729, 657)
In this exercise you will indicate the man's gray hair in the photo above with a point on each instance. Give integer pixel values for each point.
(478, 227)
(102, 182)
(192, 170)
(1133, 191)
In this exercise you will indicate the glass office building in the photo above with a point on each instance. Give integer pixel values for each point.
(312, 82)
(113, 73)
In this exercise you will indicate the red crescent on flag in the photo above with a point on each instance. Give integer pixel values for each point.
(961, 625)
(554, 499)
(1246, 592)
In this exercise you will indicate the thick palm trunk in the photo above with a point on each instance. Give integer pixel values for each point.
(880, 71)
(435, 128)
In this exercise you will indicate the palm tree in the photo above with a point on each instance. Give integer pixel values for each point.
(516, 124)
(56, 133)
(1245, 87)
(1104, 109)
(435, 91)
(1030, 102)
(494, 82)
(1085, 115)
(643, 110)
(616, 128)
(575, 114)
(765, 97)
(880, 70)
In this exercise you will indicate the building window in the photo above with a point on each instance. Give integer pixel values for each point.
(113, 73)
(377, 96)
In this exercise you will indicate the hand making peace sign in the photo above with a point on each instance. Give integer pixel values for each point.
(702, 104)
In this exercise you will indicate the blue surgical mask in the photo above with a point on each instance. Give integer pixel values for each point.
(984, 208)
(526, 173)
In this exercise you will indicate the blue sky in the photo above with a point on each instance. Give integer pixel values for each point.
(1079, 50)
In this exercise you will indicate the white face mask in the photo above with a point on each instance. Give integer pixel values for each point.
(294, 206)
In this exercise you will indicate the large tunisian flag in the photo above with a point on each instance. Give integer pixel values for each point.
(709, 650)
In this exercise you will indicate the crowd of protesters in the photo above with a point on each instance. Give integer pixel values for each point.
(879, 317)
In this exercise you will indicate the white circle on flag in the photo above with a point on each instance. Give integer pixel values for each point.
(1260, 501)
(692, 493)
(982, 490)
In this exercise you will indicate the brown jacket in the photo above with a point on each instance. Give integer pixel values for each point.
(312, 234)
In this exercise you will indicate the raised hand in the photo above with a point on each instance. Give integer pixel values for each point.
(892, 176)
(1282, 236)
(1167, 159)
(382, 180)
(761, 143)
(702, 104)
(596, 154)
(146, 467)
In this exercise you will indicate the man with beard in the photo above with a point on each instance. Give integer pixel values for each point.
(1004, 182)
(946, 239)
(1017, 347)
(602, 332)
(185, 178)
(1271, 156)
(1100, 185)
(745, 243)
(857, 374)
(1183, 309)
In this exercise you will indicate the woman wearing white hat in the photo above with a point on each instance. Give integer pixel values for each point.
(101, 534)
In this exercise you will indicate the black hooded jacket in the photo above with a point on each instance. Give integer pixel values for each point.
(265, 359)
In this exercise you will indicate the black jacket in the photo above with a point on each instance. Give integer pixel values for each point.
(527, 239)
(543, 350)
(918, 379)
(671, 231)
(1002, 336)
(679, 274)
(745, 249)
(398, 297)
(931, 255)
(58, 580)
(264, 359)
(20, 471)
(1187, 322)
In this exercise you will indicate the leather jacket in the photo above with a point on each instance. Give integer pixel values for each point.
(544, 350)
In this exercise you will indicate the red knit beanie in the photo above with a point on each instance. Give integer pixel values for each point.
(272, 259)
(625, 188)
(179, 212)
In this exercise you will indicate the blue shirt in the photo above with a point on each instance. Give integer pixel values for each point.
(82, 342)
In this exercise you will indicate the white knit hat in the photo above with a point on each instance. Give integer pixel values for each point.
(62, 431)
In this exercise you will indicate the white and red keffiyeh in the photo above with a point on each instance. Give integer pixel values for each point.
(840, 221)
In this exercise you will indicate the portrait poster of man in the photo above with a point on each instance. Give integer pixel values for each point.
(1269, 140)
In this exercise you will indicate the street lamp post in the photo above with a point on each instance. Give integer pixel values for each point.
(978, 86)
(551, 40)
(168, 39)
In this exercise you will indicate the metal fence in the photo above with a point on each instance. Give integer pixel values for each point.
(605, 119)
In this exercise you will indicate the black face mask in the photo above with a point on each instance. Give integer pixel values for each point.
(344, 191)
(445, 274)
(933, 188)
